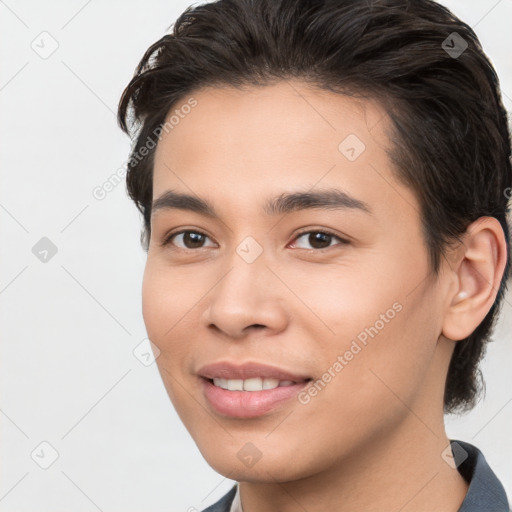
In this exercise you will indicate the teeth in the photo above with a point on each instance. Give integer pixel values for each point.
(270, 383)
(235, 384)
(253, 384)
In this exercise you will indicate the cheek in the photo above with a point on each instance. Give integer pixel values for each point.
(387, 362)
(166, 309)
(381, 322)
(154, 298)
(168, 303)
(167, 298)
(340, 301)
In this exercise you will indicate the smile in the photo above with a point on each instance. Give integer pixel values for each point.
(253, 384)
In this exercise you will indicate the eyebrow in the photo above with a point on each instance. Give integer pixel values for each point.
(288, 202)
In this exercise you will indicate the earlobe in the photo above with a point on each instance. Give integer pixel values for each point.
(478, 273)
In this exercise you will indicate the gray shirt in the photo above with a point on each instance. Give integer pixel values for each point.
(485, 492)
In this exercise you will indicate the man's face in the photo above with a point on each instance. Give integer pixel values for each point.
(353, 310)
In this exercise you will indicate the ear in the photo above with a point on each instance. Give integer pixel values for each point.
(478, 269)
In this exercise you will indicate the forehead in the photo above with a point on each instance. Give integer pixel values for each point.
(290, 110)
(238, 144)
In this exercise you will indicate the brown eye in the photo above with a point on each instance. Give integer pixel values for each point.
(319, 239)
(187, 239)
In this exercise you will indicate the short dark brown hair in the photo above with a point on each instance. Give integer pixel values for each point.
(450, 137)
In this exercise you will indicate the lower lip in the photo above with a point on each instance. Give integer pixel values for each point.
(248, 404)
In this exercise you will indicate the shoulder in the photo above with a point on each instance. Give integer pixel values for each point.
(224, 504)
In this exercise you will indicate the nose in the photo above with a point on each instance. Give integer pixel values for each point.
(247, 297)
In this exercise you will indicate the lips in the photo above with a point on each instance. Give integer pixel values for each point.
(227, 370)
(280, 386)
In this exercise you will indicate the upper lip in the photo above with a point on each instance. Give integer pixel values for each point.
(227, 370)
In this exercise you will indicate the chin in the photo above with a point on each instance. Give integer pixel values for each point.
(273, 466)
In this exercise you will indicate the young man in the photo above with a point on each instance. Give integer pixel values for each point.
(324, 191)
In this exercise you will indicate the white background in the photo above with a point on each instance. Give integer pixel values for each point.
(69, 326)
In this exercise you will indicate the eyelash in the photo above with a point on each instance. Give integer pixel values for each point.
(170, 236)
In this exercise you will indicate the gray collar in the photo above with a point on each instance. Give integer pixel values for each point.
(485, 491)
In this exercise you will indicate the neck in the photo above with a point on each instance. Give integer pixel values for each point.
(404, 472)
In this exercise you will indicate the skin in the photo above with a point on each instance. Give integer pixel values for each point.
(373, 438)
